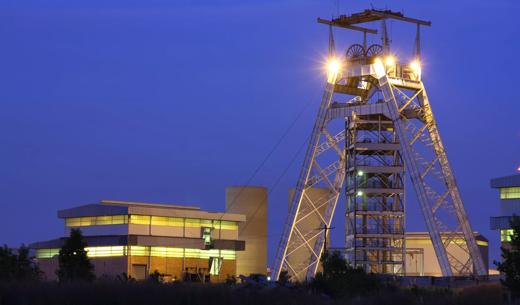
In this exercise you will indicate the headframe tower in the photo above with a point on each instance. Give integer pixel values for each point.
(375, 123)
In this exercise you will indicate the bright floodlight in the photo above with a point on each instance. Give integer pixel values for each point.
(416, 66)
(333, 66)
(360, 173)
(390, 60)
(360, 193)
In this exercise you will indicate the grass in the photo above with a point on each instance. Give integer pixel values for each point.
(120, 293)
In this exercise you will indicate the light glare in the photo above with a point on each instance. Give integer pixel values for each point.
(390, 60)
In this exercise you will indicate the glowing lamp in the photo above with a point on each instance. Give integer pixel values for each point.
(333, 65)
(360, 173)
(416, 66)
(360, 193)
(390, 61)
(333, 68)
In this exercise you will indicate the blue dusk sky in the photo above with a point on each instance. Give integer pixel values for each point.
(172, 101)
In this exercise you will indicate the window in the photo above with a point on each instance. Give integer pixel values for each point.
(47, 253)
(106, 251)
(510, 192)
(215, 263)
(206, 235)
(167, 221)
(505, 235)
(140, 219)
(192, 223)
(96, 220)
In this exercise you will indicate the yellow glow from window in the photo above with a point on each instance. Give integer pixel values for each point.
(167, 221)
(106, 251)
(510, 192)
(140, 219)
(96, 220)
(505, 235)
(47, 253)
(112, 251)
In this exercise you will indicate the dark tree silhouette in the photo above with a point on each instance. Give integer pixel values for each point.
(17, 266)
(510, 264)
(339, 279)
(74, 264)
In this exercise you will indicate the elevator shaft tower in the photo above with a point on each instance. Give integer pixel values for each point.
(375, 123)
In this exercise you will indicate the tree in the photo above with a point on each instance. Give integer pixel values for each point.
(26, 268)
(510, 264)
(339, 279)
(74, 264)
(17, 266)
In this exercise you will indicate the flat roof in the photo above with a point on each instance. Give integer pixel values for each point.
(506, 181)
(115, 207)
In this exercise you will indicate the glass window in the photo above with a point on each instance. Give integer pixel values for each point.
(96, 220)
(206, 235)
(229, 225)
(215, 263)
(510, 193)
(192, 223)
(167, 221)
(505, 235)
(106, 251)
(47, 253)
(140, 219)
(139, 251)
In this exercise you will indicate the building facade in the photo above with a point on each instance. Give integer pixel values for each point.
(509, 205)
(421, 259)
(180, 242)
(250, 201)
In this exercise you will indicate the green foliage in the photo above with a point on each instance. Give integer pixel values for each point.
(74, 264)
(17, 266)
(510, 264)
(339, 279)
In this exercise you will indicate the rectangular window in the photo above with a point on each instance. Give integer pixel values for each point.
(96, 220)
(229, 225)
(139, 251)
(510, 192)
(106, 251)
(47, 253)
(167, 221)
(206, 235)
(140, 219)
(215, 263)
(192, 223)
(505, 235)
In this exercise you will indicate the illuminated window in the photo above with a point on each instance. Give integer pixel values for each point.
(96, 220)
(111, 251)
(167, 221)
(192, 223)
(166, 252)
(505, 235)
(106, 251)
(510, 193)
(47, 253)
(206, 235)
(215, 263)
(229, 225)
(140, 219)
(139, 251)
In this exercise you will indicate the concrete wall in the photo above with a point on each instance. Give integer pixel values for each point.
(252, 202)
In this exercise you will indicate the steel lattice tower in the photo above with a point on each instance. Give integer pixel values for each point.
(374, 123)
